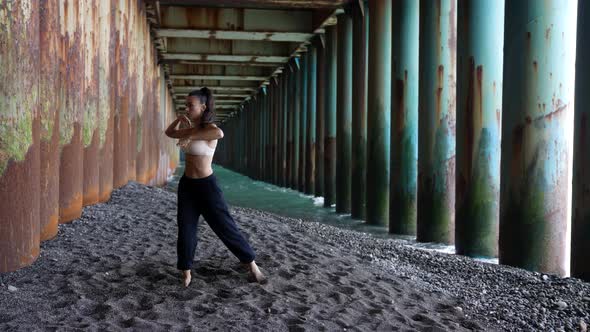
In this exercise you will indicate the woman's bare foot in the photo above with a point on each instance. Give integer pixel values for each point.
(187, 277)
(255, 275)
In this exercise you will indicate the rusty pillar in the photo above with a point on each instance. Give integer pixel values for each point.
(378, 113)
(436, 128)
(331, 56)
(20, 127)
(344, 114)
(302, 78)
(138, 73)
(72, 153)
(537, 96)
(297, 84)
(359, 111)
(311, 120)
(90, 134)
(106, 99)
(50, 97)
(404, 118)
(131, 104)
(479, 102)
(266, 135)
(121, 92)
(275, 132)
(284, 109)
(320, 106)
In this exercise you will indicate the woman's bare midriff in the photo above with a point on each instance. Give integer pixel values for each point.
(197, 166)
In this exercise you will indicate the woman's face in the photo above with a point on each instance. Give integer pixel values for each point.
(194, 107)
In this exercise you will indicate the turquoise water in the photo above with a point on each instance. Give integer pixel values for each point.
(240, 190)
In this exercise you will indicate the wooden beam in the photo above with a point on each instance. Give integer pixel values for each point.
(236, 35)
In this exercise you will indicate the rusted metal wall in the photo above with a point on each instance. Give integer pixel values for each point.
(19, 134)
(64, 109)
(71, 114)
(50, 97)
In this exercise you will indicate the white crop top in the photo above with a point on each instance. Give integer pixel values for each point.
(198, 148)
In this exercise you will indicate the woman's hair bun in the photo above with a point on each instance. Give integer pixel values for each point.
(206, 91)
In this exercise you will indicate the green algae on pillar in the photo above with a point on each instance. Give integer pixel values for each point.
(404, 118)
(379, 112)
(480, 33)
(538, 91)
(436, 128)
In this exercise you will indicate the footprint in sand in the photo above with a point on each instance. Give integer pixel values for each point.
(285, 274)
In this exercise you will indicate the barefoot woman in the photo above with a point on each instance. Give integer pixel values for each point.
(198, 191)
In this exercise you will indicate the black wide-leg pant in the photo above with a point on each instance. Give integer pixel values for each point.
(203, 196)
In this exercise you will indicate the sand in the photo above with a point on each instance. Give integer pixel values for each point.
(114, 269)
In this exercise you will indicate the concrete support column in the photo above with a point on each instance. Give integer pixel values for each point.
(320, 106)
(293, 116)
(479, 103)
(296, 122)
(310, 169)
(275, 132)
(302, 78)
(379, 112)
(330, 118)
(581, 178)
(284, 109)
(404, 117)
(537, 128)
(436, 145)
(359, 111)
(344, 114)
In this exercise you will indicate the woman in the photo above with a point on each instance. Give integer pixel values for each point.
(198, 191)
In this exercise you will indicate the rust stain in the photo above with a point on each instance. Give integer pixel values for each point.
(439, 89)
(72, 210)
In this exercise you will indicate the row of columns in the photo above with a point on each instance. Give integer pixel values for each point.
(449, 120)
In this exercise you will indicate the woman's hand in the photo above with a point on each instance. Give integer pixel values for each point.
(185, 122)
